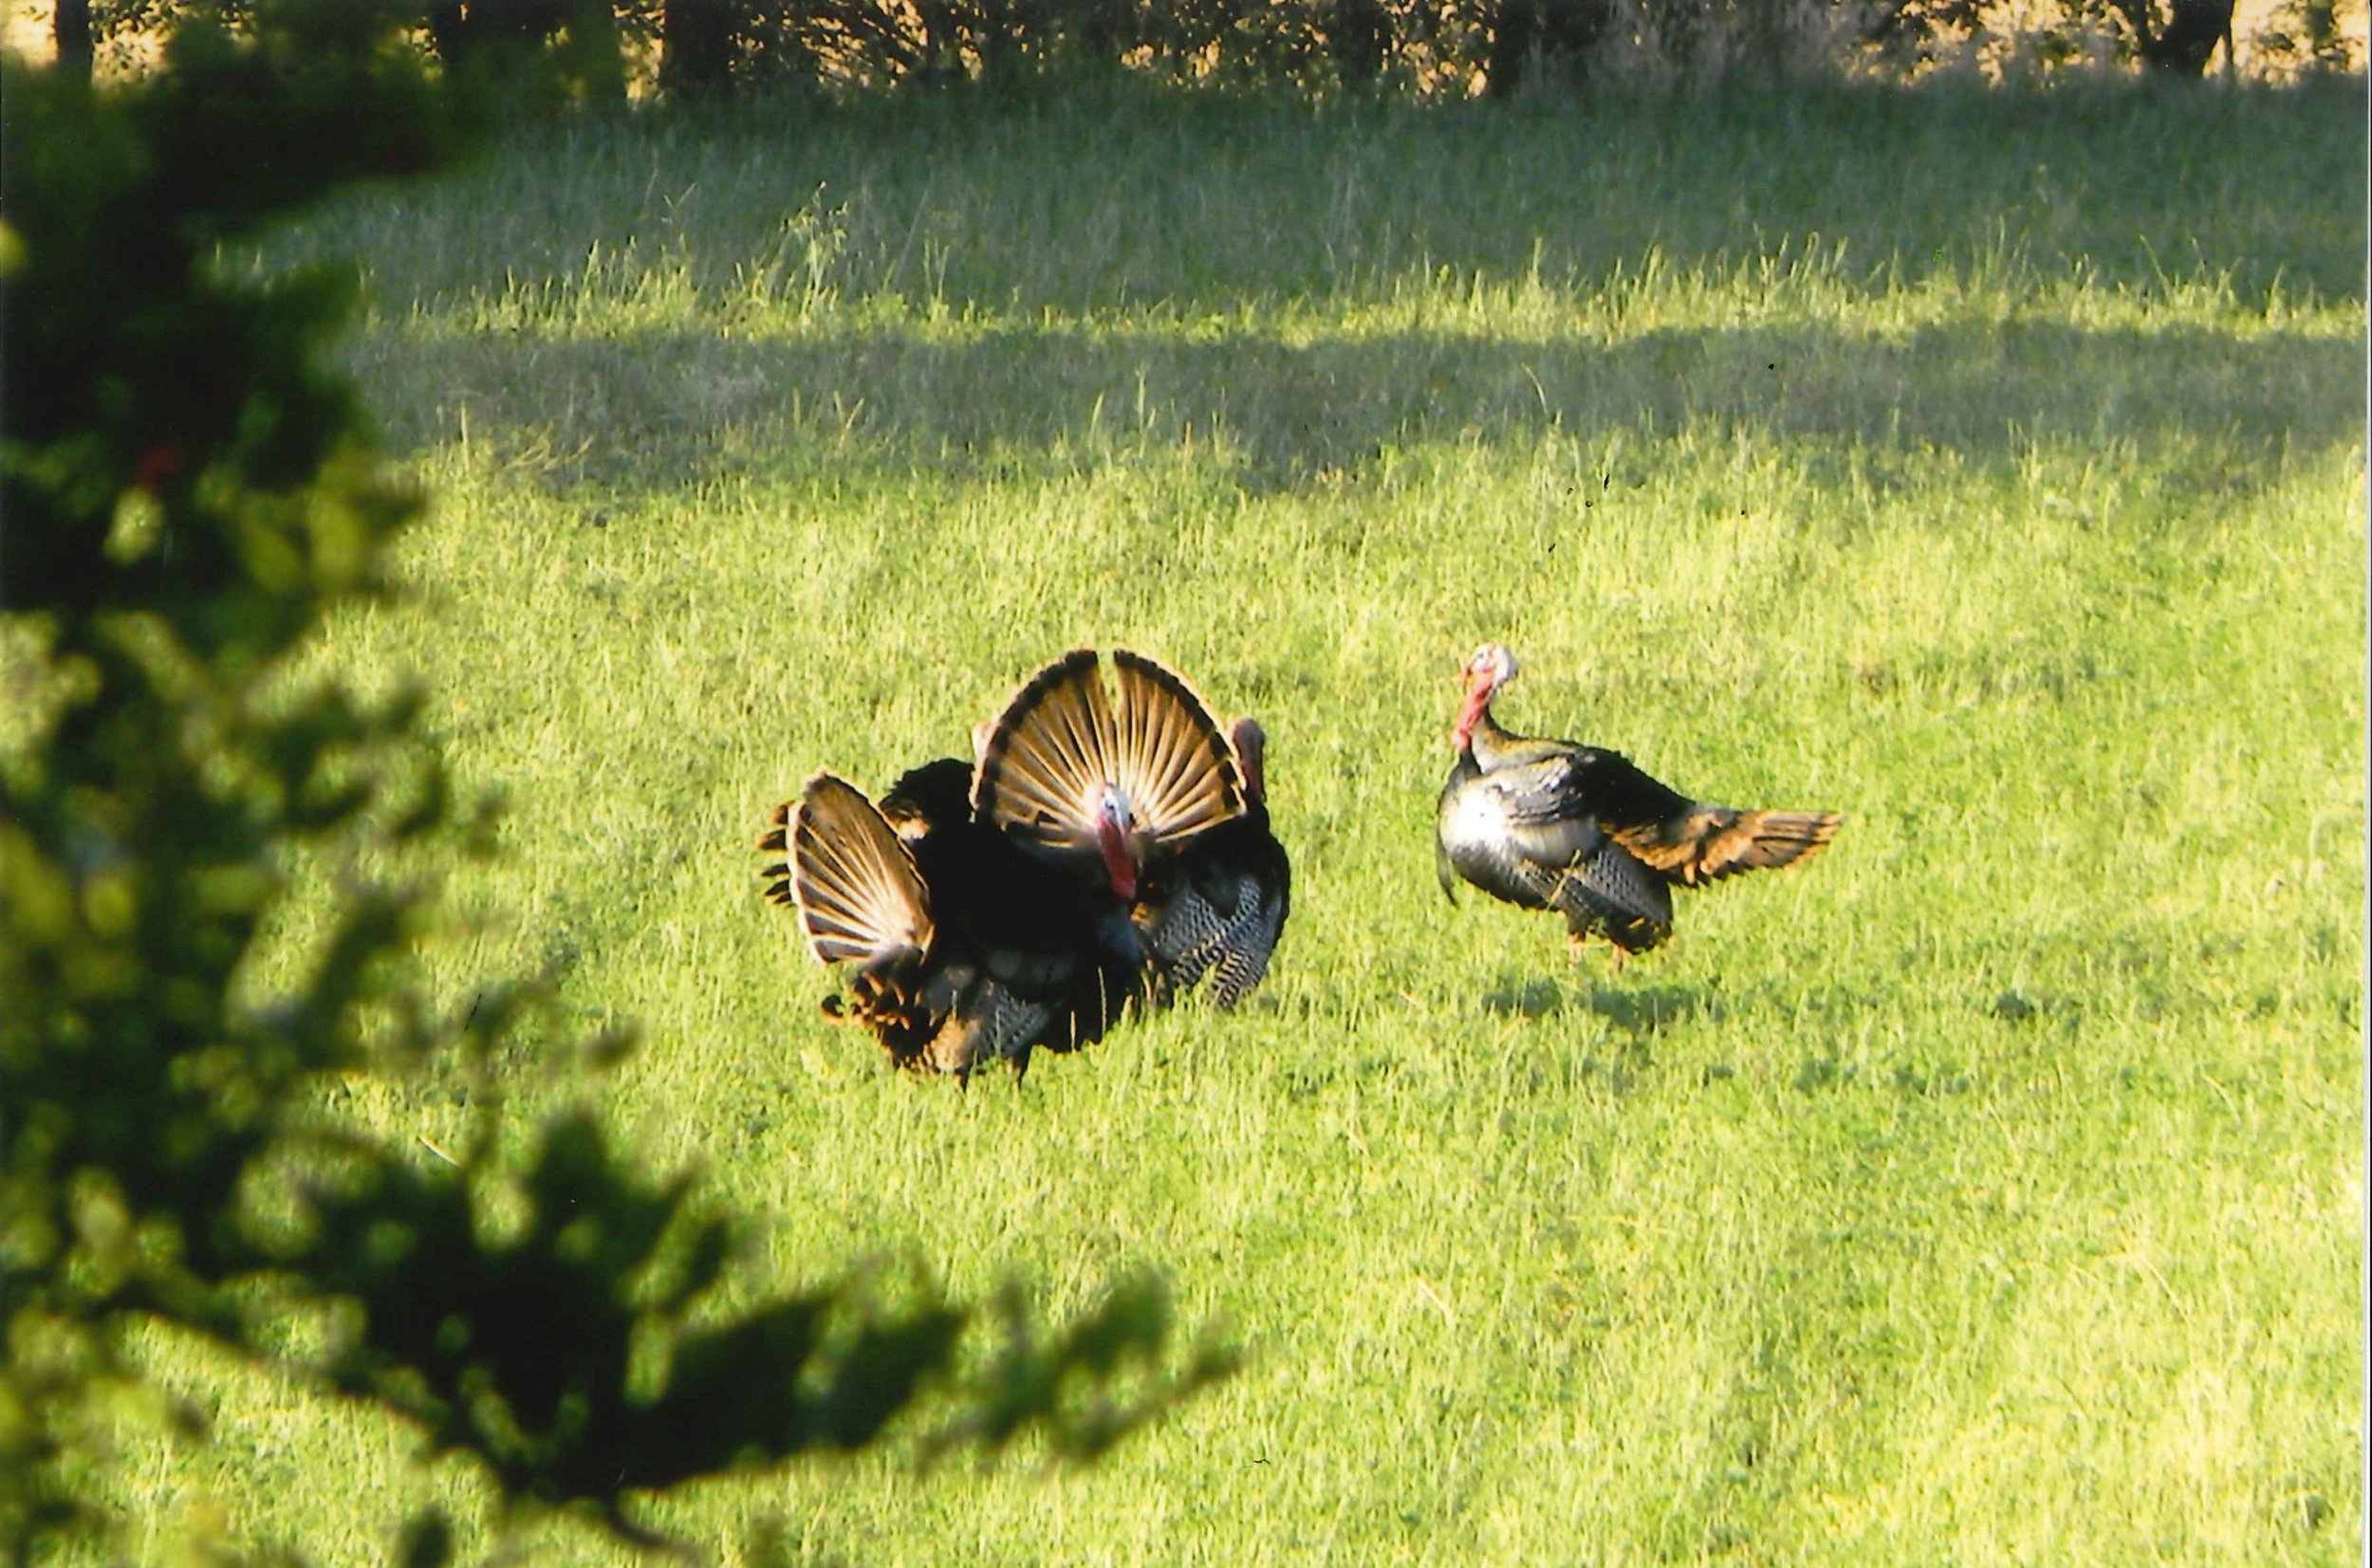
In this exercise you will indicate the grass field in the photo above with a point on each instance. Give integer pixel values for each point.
(1990, 469)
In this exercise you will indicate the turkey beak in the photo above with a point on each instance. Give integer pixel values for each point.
(1112, 839)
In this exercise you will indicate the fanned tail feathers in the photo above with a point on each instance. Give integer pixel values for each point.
(1061, 742)
(1041, 757)
(776, 842)
(1188, 777)
(1003, 950)
(1712, 842)
(858, 895)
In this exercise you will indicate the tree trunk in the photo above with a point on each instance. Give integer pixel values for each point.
(942, 44)
(696, 44)
(1556, 36)
(1512, 40)
(2188, 41)
(597, 56)
(75, 49)
(1359, 36)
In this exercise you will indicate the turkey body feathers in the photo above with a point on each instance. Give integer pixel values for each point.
(1526, 847)
(1222, 914)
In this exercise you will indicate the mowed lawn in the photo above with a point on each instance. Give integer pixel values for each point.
(1990, 469)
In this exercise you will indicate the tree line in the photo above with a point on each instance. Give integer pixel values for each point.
(708, 48)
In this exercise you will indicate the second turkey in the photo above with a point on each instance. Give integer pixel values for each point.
(1555, 824)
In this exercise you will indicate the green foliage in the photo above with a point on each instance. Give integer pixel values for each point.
(2311, 37)
(190, 490)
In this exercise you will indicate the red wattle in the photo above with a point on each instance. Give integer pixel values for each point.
(1117, 864)
(1462, 733)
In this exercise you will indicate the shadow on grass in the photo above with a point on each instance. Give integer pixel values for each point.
(1087, 200)
(673, 408)
(1647, 1010)
(1529, 999)
(1638, 1012)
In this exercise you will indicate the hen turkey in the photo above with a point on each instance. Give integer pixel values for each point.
(1552, 824)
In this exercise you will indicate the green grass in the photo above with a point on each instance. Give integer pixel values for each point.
(1990, 469)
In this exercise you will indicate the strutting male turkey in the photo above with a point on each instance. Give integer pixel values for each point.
(961, 948)
(1096, 853)
(1153, 795)
(1552, 824)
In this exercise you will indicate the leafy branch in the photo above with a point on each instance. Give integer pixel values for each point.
(189, 492)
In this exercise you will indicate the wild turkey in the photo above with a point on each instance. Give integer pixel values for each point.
(1551, 824)
(963, 950)
(1107, 791)
(1219, 907)
(1102, 851)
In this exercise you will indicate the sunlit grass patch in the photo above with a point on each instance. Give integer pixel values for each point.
(1989, 1188)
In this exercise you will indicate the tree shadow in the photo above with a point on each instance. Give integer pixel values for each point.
(669, 407)
(1214, 204)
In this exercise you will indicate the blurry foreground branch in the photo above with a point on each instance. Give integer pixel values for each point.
(187, 491)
